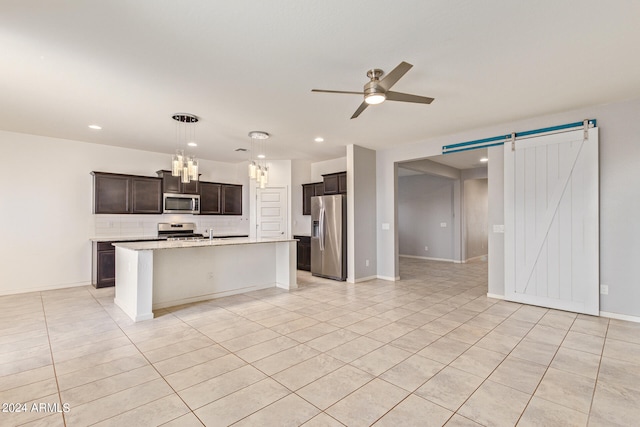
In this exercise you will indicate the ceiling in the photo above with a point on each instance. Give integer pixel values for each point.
(248, 65)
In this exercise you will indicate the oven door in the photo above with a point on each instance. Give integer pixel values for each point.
(181, 203)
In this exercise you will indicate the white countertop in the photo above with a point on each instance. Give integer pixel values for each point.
(176, 244)
(121, 238)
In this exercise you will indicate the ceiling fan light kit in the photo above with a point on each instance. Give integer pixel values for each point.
(376, 91)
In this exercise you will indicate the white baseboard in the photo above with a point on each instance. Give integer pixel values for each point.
(390, 279)
(180, 301)
(477, 258)
(495, 296)
(43, 288)
(617, 316)
(431, 259)
(363, 279)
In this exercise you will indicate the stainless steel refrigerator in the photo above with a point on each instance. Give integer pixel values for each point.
(329, 236)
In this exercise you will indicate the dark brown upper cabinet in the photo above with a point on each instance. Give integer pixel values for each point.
(173, 184)
(111, 193)
(210, 203)
(308, 191)
(231, 199)
(126, 194)
(335, 183)
(146, 195)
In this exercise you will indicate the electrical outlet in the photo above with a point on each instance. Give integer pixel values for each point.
(366, 263)
(604, 289)
(426, 248)
(443, 224)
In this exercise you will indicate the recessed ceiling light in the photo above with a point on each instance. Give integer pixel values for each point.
(484, 160)
(96, 127)
(319, 139)
(261, 156)
(192, 144)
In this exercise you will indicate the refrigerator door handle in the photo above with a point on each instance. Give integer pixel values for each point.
(321, 231)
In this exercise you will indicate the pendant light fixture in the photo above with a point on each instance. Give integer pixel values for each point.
(182, 164)
(258, 169)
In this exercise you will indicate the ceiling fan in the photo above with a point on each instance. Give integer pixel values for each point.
(376, 91)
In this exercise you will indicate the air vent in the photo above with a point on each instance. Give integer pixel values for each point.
(241, 149)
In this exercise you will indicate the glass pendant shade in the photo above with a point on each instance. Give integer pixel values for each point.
(183, 166)
(258, 170)
(193, 169)
(177, 162)
(185, 175)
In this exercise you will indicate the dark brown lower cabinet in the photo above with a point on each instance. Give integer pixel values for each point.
(104, 265)
(304, 252)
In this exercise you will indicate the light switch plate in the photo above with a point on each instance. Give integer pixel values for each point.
(604, 289)
(385, 225)
(443, 224)
(498, 228)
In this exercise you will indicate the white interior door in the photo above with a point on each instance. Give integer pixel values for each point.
(272, 213)
(551, 221)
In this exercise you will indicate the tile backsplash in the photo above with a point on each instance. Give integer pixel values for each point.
(147, 225)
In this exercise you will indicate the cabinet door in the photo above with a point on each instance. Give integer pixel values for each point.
(231, 199)
(308, 191)
(170, 183)
(111, 193)
(209, 198)
(146, 195)
(342, 183)
(192, 187)
(173, 184)
(106, 268)
(318, 189)
(331, 184)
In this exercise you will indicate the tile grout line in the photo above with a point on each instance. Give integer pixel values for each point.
(595, 385)
(152, 366)
(53, 362)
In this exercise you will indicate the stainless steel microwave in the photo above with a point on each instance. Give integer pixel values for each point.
(181, 203)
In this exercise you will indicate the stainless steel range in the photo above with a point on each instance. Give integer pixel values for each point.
(178, 231)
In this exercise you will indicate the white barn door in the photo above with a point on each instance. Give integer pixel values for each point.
(551, 221)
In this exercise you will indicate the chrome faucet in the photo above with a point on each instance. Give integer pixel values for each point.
(211, 234)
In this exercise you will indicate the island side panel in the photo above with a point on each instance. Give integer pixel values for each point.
(194, 274)
(286, 272)
(134, 283)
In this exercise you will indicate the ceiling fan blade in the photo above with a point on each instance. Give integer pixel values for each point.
(394, 75)
(405, 97)
(360, 109)
(337, 91)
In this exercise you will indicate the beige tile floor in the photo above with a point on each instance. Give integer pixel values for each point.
(431, 349)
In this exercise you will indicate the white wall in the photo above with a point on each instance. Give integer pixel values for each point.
(619, 180)
(361, 221)
(424, 202)
(47, 202)
(300, 174)
(328, 166)
(495, 220)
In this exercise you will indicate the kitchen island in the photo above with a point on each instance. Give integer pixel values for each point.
(158, 274)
